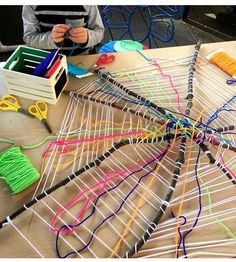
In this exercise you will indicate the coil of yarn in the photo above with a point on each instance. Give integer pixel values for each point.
(16, 170)
(224, 62)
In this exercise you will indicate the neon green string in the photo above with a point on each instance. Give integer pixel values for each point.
(51, 137)
(6, 140)
(227, 229)
(16, 169)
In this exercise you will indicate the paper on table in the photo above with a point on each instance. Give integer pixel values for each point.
(3, 87)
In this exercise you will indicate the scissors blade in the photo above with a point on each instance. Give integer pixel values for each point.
(23, 111)
(46, 125)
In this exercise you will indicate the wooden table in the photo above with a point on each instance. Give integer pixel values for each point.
(26, 131)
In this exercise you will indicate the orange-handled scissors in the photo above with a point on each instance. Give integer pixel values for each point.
(10, 103)
(103, 60)
(40, 110)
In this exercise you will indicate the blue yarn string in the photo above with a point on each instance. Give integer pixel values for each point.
(216, 114)
(153, 111)
(184, 122)
(119, 208)
(145, 57)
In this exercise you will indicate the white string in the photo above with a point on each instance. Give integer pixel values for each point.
(23, 236)
(146, 88)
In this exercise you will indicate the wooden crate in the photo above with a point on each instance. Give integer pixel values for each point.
(18, 70)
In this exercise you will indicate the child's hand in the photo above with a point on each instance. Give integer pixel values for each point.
(79, 35)
(58, 32)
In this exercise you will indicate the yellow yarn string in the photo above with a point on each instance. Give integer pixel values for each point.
(140, 202)
(154, 133)
(224, 62)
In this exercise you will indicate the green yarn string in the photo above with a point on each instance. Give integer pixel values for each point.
(16, 170)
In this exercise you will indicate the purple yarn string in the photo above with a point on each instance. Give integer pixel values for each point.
(182, 238)
(105, 219)
(215, 115)
(179, 232)
(199, 202)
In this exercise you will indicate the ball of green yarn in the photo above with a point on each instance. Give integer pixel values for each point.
(16, 170)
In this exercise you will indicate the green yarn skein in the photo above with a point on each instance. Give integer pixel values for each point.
(16, 170)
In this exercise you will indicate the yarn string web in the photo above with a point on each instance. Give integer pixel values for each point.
(103, 183)
(44, 195)
(113, 208)
(178, 241)
(215, 217)
(138, 205)
(118, 173)
(178, 164)
(87, 244)
(226, 189)
(16, 170)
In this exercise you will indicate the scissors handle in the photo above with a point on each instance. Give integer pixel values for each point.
(43, 107)
(39, 110)
(105, 59)
(9, 103)
(231, 81)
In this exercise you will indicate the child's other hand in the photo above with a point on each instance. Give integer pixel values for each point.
(79, 35)
(58, 32)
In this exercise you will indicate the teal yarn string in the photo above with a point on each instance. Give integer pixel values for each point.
(76, 70)
(16, 170)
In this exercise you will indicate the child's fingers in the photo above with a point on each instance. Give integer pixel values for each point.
(64, 26)
(78, 31)
(79, 35)
(60, 28)
(57, 34)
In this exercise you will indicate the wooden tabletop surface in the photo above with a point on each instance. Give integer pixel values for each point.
(26, 131)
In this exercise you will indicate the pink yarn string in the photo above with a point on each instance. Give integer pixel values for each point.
(66, 143)
(101, 184)
(154, 62)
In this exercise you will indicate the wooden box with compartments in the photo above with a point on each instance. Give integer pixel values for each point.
(18, 75)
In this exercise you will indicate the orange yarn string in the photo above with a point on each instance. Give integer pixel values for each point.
(224, 62)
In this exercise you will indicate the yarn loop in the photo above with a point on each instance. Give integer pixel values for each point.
(224, 62)
(16, 170)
